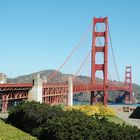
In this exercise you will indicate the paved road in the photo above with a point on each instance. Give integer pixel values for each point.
(125, 116)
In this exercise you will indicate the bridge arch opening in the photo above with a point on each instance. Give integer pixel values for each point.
(100, 41)
(100, 27)
(99, 77)
(99, 58)
(128, 81)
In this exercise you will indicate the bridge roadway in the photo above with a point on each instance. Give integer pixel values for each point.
(98, 87)
(52, 93)
(14, 91)
(58, 88)
(14, 86)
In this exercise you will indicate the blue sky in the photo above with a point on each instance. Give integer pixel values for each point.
(39, 34)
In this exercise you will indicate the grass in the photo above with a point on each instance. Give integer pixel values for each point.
(8, 132)
(115, 119)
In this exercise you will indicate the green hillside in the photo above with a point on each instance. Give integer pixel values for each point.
(8, 132)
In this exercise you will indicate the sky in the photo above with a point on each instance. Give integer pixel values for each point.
(39, 34)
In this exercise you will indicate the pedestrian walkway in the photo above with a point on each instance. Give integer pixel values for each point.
(125, 117)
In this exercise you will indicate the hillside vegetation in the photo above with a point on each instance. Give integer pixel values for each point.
(8, 132)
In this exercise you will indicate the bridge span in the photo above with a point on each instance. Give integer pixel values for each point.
(56, 93)
(51, 93)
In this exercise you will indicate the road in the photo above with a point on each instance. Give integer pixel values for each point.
(125, 115)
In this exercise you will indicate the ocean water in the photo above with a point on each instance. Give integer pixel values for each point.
(80, 103)
(124, 104)
(87, 103)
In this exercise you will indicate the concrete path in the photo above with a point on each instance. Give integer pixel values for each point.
(125, 115)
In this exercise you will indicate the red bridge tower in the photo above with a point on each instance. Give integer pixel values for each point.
(128, 81)
(100, 67)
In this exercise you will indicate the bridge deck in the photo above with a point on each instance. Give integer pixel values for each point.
(52, 93)
(59, 86)
(14, 87)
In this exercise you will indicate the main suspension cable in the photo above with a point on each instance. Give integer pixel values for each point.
(70, 55)
(83, 63)
(113, 54)
(109, 76)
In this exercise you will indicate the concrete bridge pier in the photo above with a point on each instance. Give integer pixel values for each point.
(70, 92)
(35, 94)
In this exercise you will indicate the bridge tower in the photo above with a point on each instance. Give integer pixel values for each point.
(99, 67)
(128, 81)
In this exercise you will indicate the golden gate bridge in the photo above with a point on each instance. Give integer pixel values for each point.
(62, 92)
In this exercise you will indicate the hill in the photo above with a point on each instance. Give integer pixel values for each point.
(8, 132)
(82, 79)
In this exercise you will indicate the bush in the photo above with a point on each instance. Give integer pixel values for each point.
(29, 116)
(97, 109)
(52, 122)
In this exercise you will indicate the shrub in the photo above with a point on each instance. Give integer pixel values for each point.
(97, 109)
(52, 123)
(31, 115)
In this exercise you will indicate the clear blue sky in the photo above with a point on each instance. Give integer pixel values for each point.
(39, 34)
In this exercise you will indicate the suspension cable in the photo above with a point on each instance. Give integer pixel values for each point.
(109, 76)
(88, 56)
(113, 54)
(83, 63)
(72, 52)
